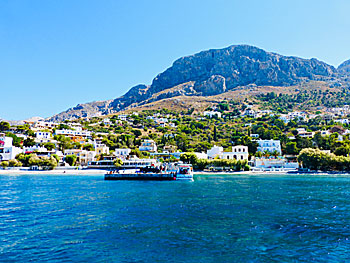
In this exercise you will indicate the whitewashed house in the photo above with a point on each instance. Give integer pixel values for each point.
(7, 150)
(212, 114)
(148, 146)
(215, 151)
(122, 152)
(269, 146)
(239, 152)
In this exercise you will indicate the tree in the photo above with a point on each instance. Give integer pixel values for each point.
(23, 158)
(275, 153)
(71, 159)
(215, 134)
(14, 163)
(189, 158)
(49, 146)
(291, 148)
(88, 147)
(64, 142)
(34, 160)
(48, 162)
(63, 127)
(117, 162)
(342, 151)
(4, 126)
(56, 157)
(4, 164)
(29, 142)
(137, 133)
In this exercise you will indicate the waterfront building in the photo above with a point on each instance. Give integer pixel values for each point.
(215, 151)
(7, 150)
(269, 146)
(239, 152)
(132, 163)
(270, 164)
(84, 156)
(201, 155)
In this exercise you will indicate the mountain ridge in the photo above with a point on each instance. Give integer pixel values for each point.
(215, 71)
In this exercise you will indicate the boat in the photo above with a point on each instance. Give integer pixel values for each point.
(168, 172)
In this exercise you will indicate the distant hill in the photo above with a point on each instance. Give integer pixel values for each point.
(344, 68)
(217, 71)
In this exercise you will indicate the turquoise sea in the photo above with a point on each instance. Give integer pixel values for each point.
(241, 218)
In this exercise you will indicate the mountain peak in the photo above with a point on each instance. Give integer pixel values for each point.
(216, 71)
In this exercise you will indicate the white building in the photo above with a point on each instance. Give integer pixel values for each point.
(215, 151)
(342, 121)
(201, 155)
(239, 152)
(72, 133)
(84, 157)
(305, 134)
(107, 121)
(325, 133)
(250, 113)
(212, 114)
(45, 125)
(271, 164)
(148, 146)
(123, 117)
(122, 152)
(299, 115)
(7, 150)
(43, 135)
(269, 146)
(101, 148)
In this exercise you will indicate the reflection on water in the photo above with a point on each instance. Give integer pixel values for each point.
(223, 218)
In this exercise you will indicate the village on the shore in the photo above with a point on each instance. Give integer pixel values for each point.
(224, 137)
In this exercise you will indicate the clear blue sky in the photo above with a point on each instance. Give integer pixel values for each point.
(58, 53)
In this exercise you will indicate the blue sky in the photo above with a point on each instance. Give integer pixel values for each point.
(56, 54)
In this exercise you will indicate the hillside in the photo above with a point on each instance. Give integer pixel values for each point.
(218, 71)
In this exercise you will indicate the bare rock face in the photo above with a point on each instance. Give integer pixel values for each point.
(242, 65)
(136, 94)
(218, 70)
(344, 68)
(213, 86)
(91, 109)
(215, 71)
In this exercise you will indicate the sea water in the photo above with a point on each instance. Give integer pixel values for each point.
(241, 218)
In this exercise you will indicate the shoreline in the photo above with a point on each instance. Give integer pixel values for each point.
(54, 172)
(103, 172)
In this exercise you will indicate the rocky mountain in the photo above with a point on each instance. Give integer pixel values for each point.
(214, 72)
(344, 68)
(91, 109)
